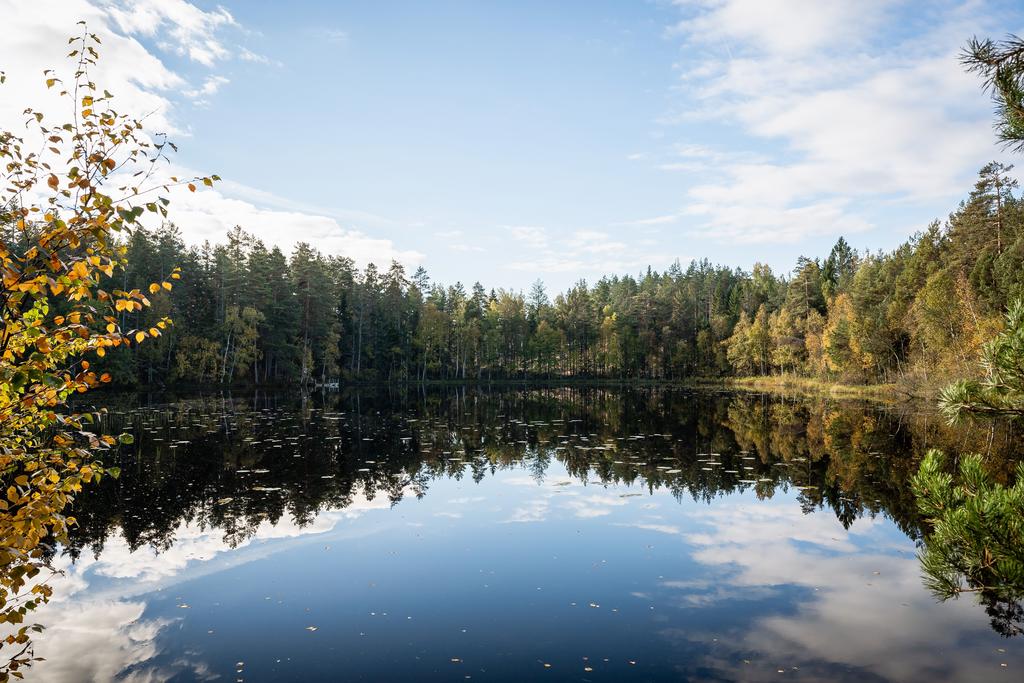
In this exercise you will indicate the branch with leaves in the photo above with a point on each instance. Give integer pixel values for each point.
(65, 209)
(976, 544)
(1001, 392)
(1001, 65)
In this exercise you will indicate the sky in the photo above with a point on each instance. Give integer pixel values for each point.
(503, 142)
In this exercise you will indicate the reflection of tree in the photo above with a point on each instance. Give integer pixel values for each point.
(233, 464)
(976, 541)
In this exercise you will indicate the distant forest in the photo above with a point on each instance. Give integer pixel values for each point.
(247, 313)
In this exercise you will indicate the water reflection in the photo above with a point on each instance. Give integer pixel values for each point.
(582, 534)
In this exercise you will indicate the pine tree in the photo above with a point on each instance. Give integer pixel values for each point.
(1001, 65)
(976, 542)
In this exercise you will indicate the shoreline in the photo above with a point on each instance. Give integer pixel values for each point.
(887, 393)
(772, 384)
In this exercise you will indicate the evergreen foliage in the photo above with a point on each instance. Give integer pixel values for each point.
(977, 539)
(1002, 389)
(919, 314)
(1001, 64)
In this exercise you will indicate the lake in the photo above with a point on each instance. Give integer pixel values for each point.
(572, 534)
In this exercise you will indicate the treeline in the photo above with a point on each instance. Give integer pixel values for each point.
(248, 313)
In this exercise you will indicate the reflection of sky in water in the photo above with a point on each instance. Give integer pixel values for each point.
(494, 580)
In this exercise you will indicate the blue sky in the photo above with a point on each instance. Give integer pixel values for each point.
(506, 141)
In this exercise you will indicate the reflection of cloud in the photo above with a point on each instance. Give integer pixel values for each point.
(96, 632)
(192, 543)
(594, 505)
(744, 524)
(708, 593)
(660, 528)
(97, 641)
(560, 495)
(534, 511)
(864, 609)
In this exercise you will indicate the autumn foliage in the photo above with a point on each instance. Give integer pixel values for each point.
(69, 193)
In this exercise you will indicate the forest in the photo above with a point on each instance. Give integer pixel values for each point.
(248, 313)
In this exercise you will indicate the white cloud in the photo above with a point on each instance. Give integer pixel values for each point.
(456, 243)
(548, 264)
(36, 36)
(449, 234)
(594, 242)
(247, 55)
(210, 87)
(584, 252)
(529, 235)
(334, 36)
(191, 31)
(210, 214)
(853, 118)
(790, 27)
(36, 39)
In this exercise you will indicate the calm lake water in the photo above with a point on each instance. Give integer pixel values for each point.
(550, 535)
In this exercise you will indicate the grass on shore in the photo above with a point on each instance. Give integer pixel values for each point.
(818, 387)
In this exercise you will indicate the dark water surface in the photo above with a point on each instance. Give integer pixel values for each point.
(569, 534)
